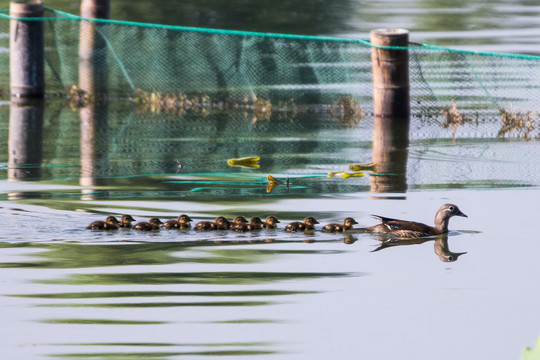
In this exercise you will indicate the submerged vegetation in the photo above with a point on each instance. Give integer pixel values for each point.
(345, 109)
(517, 123)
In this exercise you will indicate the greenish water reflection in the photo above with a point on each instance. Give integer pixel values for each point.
(207, 278)
(100, 322)
(162, 355)
(73, 255)
(148, 294)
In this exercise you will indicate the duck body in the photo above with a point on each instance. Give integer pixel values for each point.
(110, 223)
(270, 223)
(183, 222)
(237, 221)
(204, 226)
(308, 224)
(220, 223)
(150, 225)
(347, 225)
(254, 224)
(125, 221)
(411, 229)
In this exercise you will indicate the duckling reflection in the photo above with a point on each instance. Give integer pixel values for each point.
(349, 239)
(440, 245)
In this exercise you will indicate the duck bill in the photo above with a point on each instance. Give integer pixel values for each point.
(461, 214)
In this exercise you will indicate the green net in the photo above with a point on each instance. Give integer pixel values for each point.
(170, 68)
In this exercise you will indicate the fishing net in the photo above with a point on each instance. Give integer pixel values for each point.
(171, 68)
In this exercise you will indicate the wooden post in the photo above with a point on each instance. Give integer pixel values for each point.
(390, 74)
(93, 72)
(93, 80)
(26, 55)
(98, 9)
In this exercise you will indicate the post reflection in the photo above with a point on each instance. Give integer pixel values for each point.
(440, 245)
(390, 153)
(94, 147)
(25, 139)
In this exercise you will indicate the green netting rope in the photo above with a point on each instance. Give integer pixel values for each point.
(67, 16)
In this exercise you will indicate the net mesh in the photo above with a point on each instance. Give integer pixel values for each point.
(168, 68)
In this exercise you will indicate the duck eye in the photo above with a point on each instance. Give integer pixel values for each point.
(451, 208)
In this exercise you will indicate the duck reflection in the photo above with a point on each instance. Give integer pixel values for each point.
(390, 143)
(440, 245)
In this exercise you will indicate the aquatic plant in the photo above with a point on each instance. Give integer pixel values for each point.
(521, 124)
(347, 111)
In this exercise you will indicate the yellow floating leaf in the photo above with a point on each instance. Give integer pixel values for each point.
(273, 180)
(359, 167)
(335, 173)
(354, 174)
(245, 162)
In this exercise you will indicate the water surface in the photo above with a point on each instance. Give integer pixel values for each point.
(69, 292)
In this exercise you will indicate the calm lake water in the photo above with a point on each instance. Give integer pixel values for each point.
(68, 292)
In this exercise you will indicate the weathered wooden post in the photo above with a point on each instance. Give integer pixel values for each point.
(26, 55)
(93, 72)
(93, 81)
(391, 90)
(391, 107)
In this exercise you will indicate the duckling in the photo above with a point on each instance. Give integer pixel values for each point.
(125, 221)
(347, 225)
(110, 223)
(220, 223)
(239, 220)
(204, 226)
(270, 223)
(255, 223)
(411, 229)
(182, 222)
(151, 225)
(308, 224)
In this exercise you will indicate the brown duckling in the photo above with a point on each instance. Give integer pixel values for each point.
(182, 222)
(125, 221)
(270, 223)
(308, 224)
(411, 229)
(347, 225)
(220, 223)
(255, 223)
(151, 225)
(239, 220)
(110, 223)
